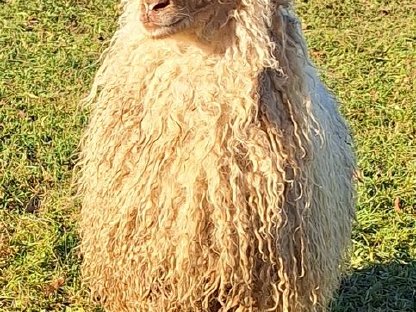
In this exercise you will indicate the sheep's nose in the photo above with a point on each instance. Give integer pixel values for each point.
(157, 5)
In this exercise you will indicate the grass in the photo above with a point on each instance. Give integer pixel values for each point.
(48, 52)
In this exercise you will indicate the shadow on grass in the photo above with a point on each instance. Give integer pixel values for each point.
(379, 287)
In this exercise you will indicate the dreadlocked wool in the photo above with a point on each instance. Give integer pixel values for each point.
(216, 171)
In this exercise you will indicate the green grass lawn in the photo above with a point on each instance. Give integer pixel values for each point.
(48, 54)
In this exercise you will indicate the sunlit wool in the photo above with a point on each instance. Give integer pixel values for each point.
(216, 170)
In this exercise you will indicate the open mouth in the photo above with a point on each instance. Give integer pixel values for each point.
(155, 25)
(159, 30)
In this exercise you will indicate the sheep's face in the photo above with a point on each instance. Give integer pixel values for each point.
(161, 18)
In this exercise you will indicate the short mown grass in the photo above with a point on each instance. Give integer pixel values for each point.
(49, 49)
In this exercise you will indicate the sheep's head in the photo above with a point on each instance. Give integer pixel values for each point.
(162, 18)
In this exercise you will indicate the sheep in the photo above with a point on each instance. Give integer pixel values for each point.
(216, 170)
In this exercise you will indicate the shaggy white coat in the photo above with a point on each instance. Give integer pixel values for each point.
(216, 174)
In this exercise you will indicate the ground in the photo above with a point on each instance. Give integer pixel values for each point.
(365, 50)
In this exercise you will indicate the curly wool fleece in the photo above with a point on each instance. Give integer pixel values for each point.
(216, 174)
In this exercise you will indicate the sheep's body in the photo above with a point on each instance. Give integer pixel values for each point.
(213, 183)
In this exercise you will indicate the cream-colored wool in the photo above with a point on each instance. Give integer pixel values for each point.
(216, 170)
